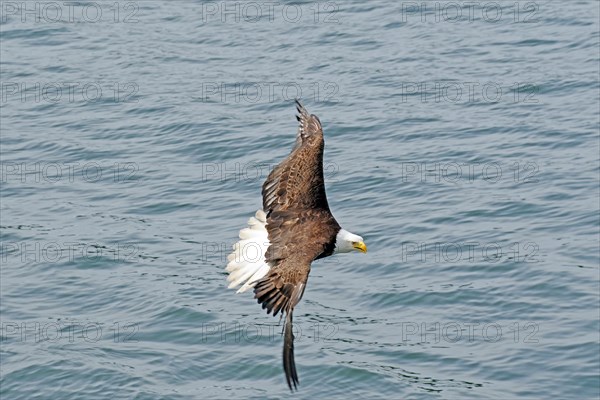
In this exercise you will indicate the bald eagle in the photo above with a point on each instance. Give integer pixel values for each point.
(294, 228)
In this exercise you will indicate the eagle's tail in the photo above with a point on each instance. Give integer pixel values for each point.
(247, 261)
(289, 365)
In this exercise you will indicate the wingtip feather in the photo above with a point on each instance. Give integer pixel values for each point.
(289, 365)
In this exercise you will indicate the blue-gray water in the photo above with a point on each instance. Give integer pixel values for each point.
(464, 150)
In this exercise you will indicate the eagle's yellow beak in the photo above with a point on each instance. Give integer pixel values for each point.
(360, 246)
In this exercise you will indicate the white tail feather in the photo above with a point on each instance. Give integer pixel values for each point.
(247, 262)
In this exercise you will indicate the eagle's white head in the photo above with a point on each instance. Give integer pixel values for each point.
(346, 242)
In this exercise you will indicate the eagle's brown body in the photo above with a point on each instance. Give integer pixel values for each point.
(294, 228)
(297, 213)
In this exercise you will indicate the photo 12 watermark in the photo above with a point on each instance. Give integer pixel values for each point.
(469, 11)
(469, 252)
(253, 12)
(250, 252)
(68, 92)
(50, 252)
(252, 172)
(469, 92)
(450, 172)
(74, 12)
(67, 172)
(268, 92)
(221, 332)
(68, 332)
(469, 332)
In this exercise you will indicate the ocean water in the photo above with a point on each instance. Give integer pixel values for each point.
(462, 142)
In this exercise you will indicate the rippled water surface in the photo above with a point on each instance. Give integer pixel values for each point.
(463, 148)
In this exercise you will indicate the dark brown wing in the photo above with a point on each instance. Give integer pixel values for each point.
(281, 290)
(297, 238)
(297, 182)
(300, 228)
(299, 223)
(289, 365)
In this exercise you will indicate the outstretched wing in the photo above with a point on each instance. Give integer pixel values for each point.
(300, 228)
(299, 223)
(297, 238)
(297, 182)
(281, 290)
